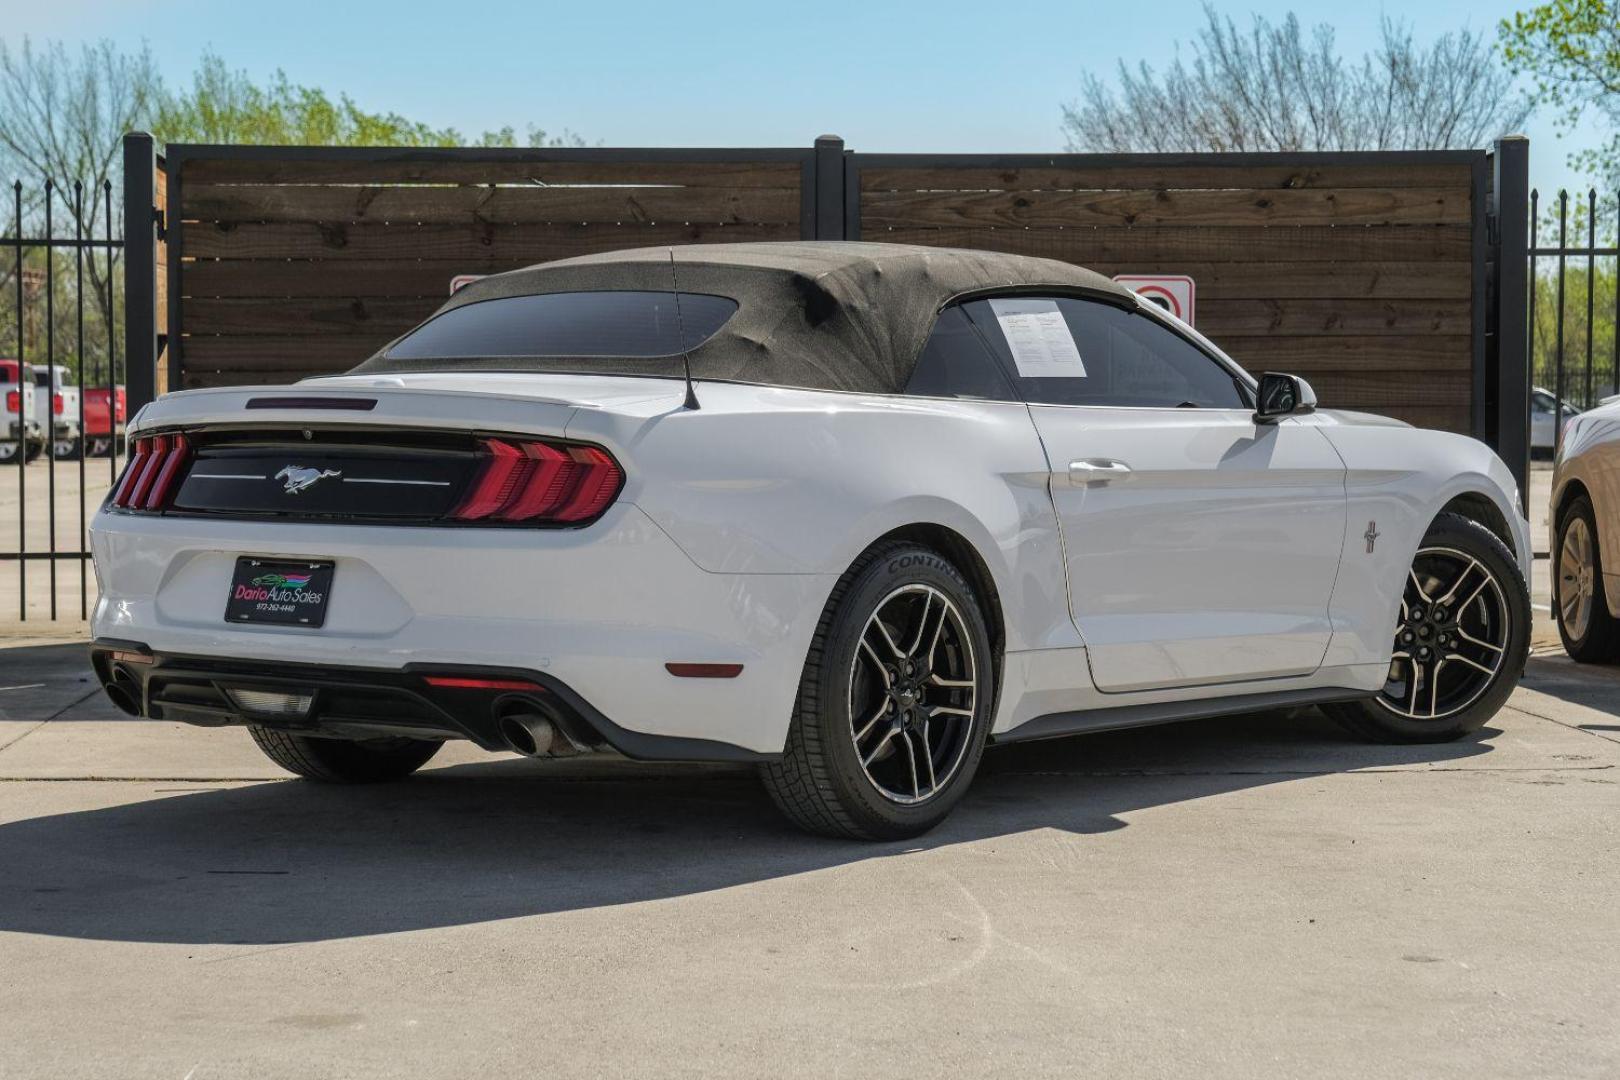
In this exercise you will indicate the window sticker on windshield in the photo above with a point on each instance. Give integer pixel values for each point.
(1040, 341)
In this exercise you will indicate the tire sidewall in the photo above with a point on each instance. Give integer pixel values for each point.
(891, 570)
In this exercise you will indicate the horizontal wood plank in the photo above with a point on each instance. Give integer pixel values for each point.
(1215, 281)
(197, 378)
(1382, 389)
(1053, 209)
(1315, 280)
(1163, 246)
(307, 354)
(355, 278)
(300, 317)
(1350, 352)
(1295, 317)
(1457, 418)
(1247, 318)
(731, 174)
(1284, 174)
(476, 246)
(470, 205)
(226, 361)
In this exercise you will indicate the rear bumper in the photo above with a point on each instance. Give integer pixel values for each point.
(362, 702)
(599, 610)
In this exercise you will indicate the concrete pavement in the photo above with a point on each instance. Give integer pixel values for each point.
(1248, 898)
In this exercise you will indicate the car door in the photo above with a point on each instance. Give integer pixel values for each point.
(1201, 547)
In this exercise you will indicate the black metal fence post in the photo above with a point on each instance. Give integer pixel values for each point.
(140, 271)
(1558, 333)
(1511, 316)
(829, 188)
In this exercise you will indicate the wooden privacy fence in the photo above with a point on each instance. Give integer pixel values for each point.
(1375, 275)
(1358, 275)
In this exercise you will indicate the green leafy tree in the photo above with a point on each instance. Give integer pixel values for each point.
(1570, 51)
(1544, 354)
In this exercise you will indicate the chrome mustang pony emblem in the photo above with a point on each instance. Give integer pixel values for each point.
(298, 478)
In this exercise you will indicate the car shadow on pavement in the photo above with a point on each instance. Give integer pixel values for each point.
(292, 861)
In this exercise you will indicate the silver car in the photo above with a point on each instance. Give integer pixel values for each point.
(1545, 416)
(1585, 523)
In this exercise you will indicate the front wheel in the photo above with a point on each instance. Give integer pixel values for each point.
(344, 761)
(1460, 643)
(65, 449)
(894, 704)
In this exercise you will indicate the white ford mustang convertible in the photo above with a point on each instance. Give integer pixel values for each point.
(849, 511)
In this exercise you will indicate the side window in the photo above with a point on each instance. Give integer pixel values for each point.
(1066, 351)
(955, 363)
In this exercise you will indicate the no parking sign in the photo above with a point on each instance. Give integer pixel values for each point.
(1173, 292)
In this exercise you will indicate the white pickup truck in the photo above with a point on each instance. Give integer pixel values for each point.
(19, 423)
(56, 407)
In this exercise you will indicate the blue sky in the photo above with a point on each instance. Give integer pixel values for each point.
(942, 75)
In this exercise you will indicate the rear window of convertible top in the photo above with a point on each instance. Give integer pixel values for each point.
(618, 324)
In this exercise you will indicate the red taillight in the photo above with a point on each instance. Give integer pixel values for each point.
(14, 401)
(538, 481)
(140, 453)
(56, 404)
(149, 478)
(173, 462)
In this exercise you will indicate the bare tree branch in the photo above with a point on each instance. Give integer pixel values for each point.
(1275, 88)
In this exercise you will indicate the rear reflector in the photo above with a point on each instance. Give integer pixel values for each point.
(533, 481)
(704, 671)
(459, 682)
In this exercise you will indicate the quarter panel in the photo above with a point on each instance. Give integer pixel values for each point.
(763, 480)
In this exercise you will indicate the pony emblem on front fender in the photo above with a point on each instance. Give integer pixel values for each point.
(298, 478)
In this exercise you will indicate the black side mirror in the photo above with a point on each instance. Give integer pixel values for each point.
(1283, 395)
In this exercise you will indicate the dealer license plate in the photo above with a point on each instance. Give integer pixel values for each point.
(279, 591)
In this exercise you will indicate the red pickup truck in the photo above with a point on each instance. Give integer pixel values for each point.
(103, 418)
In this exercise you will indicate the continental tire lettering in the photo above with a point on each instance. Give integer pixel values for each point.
(933, 562)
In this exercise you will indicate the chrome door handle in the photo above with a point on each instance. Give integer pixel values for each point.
(1097, 471)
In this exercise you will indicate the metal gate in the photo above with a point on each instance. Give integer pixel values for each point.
(64, 338)
(1578, 368)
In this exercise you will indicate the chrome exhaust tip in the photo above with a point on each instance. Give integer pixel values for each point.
(529, 734)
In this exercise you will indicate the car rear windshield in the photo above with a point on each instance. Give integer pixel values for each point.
(617, 324)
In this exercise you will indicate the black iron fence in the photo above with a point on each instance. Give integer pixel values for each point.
(63, 390)
(1574, 307)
